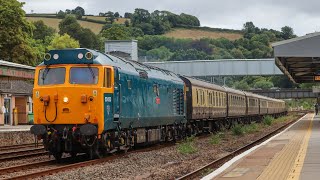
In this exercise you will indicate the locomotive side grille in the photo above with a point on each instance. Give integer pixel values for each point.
(178, 101)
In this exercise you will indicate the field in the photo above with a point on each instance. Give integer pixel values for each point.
(52, 22)
(181, 33)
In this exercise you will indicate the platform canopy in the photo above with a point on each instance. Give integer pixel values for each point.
(299, 58)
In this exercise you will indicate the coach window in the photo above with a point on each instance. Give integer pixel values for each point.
(203, 99)
(197, 96)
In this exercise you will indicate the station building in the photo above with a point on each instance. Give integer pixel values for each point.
(16, 84)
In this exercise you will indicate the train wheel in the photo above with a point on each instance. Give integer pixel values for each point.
(73, 154)
(57, 156)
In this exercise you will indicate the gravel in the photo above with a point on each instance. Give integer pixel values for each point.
(15, 138)
(164, 163)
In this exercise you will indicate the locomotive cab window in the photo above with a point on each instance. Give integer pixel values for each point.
(84, 75)
(51, 76)
(107, 78)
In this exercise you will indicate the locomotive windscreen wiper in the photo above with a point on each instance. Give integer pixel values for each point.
(92, 73)
(45, 73)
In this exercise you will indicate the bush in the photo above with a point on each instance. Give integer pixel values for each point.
(238, 130)
(216, 138)
(251, 128)
(187, 147)
(267, 120)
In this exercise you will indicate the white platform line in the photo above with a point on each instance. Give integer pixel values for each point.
(233, 160)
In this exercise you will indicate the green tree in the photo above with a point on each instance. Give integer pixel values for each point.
(127, 15)
(61, 14)
(39, 48)
(80, 10)
(116, 32)
(263, 38)
(190, 54)
(188, 20)
(140, 16)
(15, 32)
(62, 42)
(147, 28)
(127, 23)
(257, 53)
(220, 53)
(287, 32)
(116, 15)
(263, 84)
(41, 31)
(160, 22)
(160, 54)
(110, 17)
(242, 85)
(237, 54)
(70, 26)
(250, 30)
(136, 32)
(86, 37)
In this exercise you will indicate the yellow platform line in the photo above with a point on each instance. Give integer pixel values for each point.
(298, 164)
(281, 165)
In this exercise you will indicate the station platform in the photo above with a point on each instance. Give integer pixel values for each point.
(7, 128)
(291, 154)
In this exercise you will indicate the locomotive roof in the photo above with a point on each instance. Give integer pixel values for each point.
(79, 56)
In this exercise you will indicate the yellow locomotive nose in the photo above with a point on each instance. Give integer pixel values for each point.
(68, 94)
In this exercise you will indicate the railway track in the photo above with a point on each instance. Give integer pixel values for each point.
(11, 155)
(45, 168)
(217, 163)
(20, 146)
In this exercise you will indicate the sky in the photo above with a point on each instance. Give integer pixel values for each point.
(302, 16)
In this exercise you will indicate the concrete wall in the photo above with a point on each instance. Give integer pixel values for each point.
(15, 138)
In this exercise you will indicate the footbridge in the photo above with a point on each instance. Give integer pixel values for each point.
(286, 93)
(223, 67)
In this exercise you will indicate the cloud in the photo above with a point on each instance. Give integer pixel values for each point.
(302, 16)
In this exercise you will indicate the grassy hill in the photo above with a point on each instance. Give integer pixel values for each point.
(183, 33)
(97, 23)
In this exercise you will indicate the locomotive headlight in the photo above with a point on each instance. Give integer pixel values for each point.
(89, 56)
(56, 56)
(65, 99)
(47, 56)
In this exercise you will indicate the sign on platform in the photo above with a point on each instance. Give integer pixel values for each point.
(317, 78)
(16, 73)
